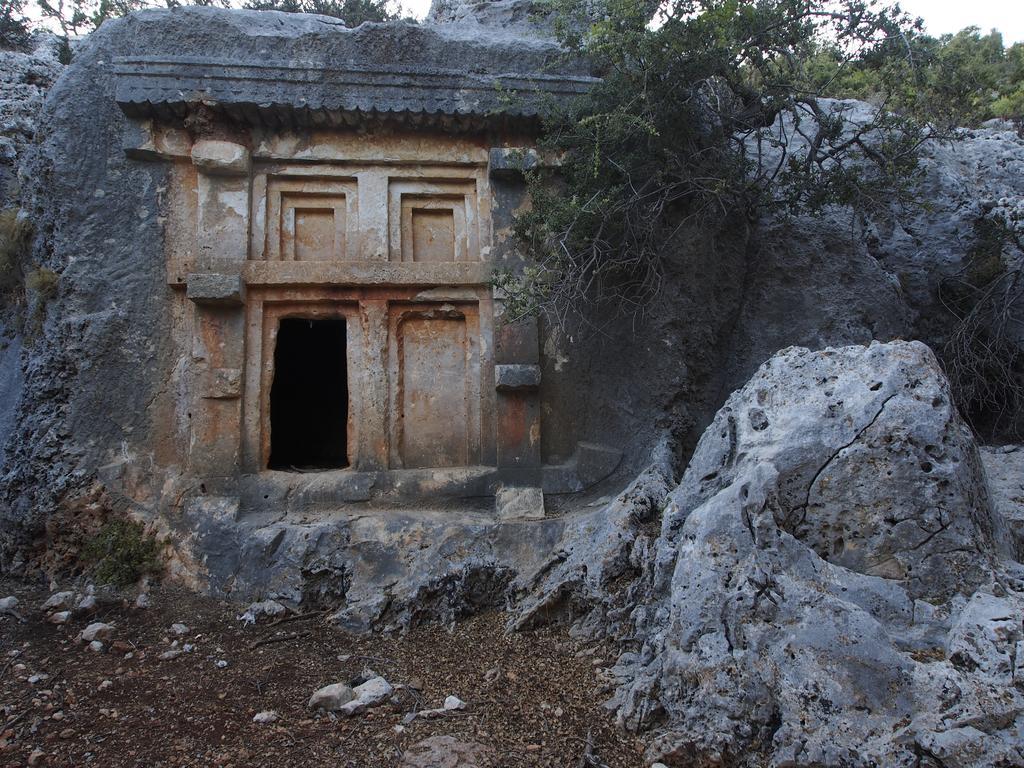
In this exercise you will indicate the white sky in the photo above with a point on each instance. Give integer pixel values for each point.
(942, 16)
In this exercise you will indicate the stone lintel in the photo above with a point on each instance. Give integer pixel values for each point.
(221, 158)
(516, 377)
(377, 273)
(212, 289)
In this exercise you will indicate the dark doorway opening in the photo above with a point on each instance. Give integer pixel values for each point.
(309, 396)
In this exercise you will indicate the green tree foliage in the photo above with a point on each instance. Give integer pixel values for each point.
(710, 113)
(961, 79)
(13, 25)
(77, 17)
(351, 12)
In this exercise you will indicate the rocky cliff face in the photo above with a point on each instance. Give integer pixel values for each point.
(830, 585)
(25, 77)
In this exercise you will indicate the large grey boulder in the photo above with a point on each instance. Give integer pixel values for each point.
(830, 585)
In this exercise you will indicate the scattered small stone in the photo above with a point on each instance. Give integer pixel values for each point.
(331, 697)
(269, 716)
(188, 647)
(8, 606)
(446, 751)
(37, 678)
(179, 629)
(86, 606)
(37, 757)
(61, 601)
(369, 694)
(67, 733)
(221, 664)
(143, 601)
(96, 631)
(171, 654)
(106, 684)
(58, 715)
(61, 617)
(453, 703)
(264, 608)
(96, 646)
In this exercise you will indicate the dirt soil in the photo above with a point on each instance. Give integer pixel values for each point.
(533, 696)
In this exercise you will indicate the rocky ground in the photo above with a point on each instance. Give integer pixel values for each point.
(150, 693)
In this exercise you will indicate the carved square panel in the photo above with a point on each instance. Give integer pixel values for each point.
(309, 219)
(433, 221)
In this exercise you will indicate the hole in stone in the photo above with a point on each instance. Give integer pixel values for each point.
(309, 396)
(926, 466)
(876, 386)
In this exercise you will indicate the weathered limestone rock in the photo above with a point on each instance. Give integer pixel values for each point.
(829, 571)
(519, 503)
(448, 752)
(374, 691)
(25, 77)
(1004, 469)
(331, 697)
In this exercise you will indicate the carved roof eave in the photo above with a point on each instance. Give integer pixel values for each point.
(283, 96)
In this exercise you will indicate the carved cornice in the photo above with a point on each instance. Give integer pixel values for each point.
(288, 95)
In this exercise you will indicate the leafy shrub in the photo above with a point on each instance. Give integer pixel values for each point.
(13, 25)
(15, 236)
(121, 553)
(983, 356)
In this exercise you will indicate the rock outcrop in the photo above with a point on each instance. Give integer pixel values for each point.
(830, 585)
(25, 77)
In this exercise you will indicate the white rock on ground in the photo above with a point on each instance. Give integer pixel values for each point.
(61, 601)
(369, 694)
(86, 606)
(331, 697)
(61, 617)
(262, 608)
(263, 718)
(830, 585)
(96, 631)
(179, 629)
(447, 752)
(9, 606)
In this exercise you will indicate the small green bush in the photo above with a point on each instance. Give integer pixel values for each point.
(43, 282)
(121, 553)
(15, 236)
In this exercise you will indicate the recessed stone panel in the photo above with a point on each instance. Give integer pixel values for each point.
(304, 218)
(436, 395)
(433, 234)
(433, 221)
(319, 233)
